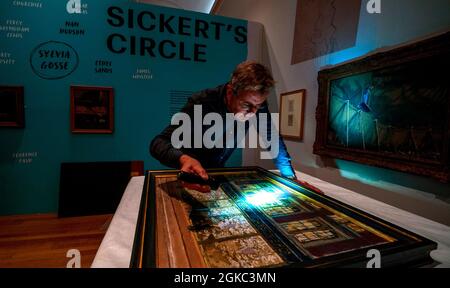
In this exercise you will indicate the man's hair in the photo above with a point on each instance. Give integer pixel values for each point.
(251, 76)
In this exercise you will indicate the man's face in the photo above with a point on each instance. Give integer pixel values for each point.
(245, 104)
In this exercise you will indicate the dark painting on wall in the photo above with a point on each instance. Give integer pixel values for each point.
(92, 110)
(391, 109)
(323, 27)
(11, 107)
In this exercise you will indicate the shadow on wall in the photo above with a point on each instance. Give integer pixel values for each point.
(266, 51)
(252, 157)
(375, 174)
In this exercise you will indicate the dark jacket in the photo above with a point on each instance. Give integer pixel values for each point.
(212, 101)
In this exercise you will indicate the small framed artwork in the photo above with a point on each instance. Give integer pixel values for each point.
(12, 107)
(92, 110)
(292, 110)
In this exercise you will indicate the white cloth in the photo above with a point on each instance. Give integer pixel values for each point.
(115, 249)
(116, 246)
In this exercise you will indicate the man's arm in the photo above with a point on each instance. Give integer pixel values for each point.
(283, 159)
(161, 148)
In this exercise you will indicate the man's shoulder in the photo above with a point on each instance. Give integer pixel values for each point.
(209, 95)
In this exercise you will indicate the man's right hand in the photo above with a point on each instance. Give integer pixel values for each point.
(191, 165)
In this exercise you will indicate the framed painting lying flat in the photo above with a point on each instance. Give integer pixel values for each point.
(257, 219)
(390, 110)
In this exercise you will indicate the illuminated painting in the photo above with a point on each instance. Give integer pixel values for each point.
(249, 252)
(256, 219)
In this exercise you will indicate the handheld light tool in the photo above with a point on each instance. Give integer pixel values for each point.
(195, 179)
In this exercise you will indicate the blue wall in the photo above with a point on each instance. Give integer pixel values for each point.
(30, 158)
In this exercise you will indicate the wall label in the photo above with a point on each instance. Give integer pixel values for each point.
(54, 60)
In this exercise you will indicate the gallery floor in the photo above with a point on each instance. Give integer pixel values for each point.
(43, 240)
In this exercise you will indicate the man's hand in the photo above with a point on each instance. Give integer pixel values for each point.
(191, 165)
(308, 186)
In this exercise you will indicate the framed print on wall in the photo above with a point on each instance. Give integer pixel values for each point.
(292, 110)
(92, 110)
(12, 107)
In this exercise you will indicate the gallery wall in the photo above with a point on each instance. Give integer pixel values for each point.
(143, 85)
(400, 21)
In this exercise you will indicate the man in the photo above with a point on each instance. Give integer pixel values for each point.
(245, 96)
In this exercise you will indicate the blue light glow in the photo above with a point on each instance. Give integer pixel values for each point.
(264, 198)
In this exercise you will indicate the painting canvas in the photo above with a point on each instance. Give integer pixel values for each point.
(92, 109)
(292, 115)
(260, 220)
(391, 109)
(11, 106)
(399, 110)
